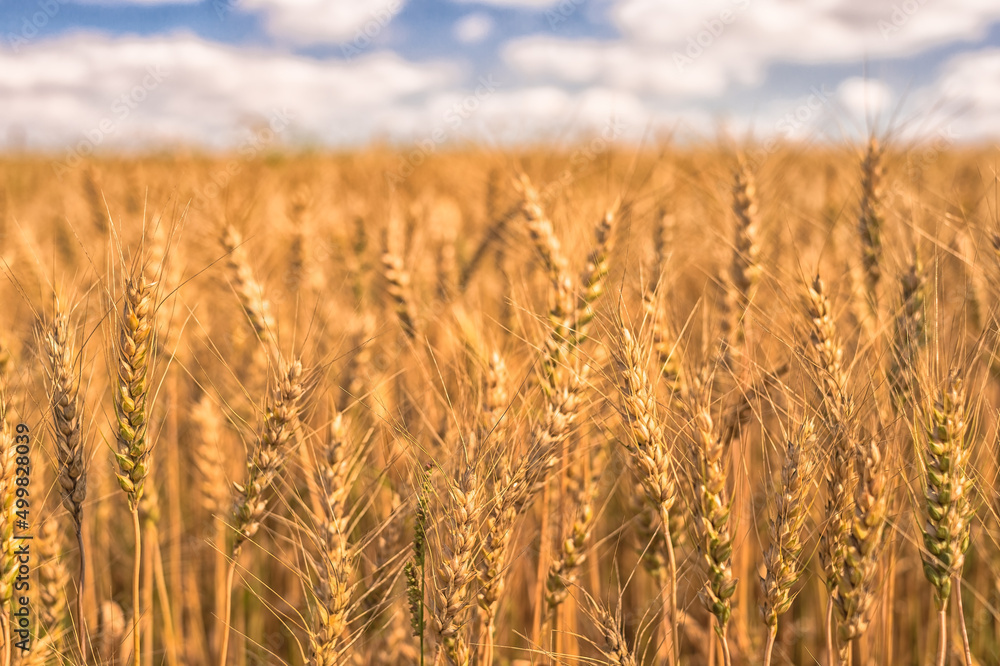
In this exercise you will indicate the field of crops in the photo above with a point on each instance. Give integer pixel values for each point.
(685, 405)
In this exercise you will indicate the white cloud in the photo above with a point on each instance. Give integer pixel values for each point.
(524, 114)
(964, 100)
(473, 28)
(707, 48)
(323, 21)
(869, 99)
(61, 88)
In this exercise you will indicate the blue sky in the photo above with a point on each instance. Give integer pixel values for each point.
(211, 73)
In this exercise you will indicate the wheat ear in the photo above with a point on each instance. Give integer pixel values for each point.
(859, 563)
(133, 350)
(647, 449)
(745, 269)
(67, 417)
(870, 217)
(335, 560)
(562, 573)
(8, 556)
(594, 276)
(276, 432)
(615, 648)
(782, 560)
(948, 511)
(248, 290)
(711, 509)
(397, 278)
(825, 358)
(455, 573)
(910, 336)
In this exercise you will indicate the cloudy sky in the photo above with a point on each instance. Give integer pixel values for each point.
(346, 72)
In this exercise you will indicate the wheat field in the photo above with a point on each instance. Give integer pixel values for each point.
(684, 405)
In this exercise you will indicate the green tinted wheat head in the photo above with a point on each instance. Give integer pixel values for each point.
(948, 507)
(53, 584)
(871, 215)
(782, 560)
(135, 340)
(53, 580)
(8, 557)
(133, 349)
(414, 569)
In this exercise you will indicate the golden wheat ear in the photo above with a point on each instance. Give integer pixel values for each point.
(782, 560)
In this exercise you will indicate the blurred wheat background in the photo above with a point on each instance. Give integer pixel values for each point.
(693, 405)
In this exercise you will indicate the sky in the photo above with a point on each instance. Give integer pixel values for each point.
(92, 75)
